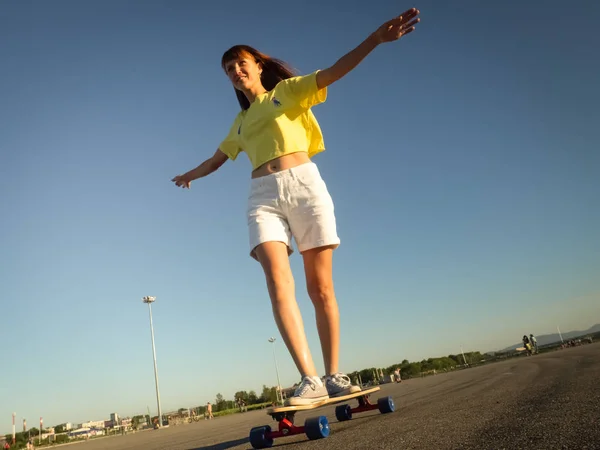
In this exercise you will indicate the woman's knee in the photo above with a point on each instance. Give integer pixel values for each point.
(275, 263)
(321, 292)
(279, 280)
(319, 279)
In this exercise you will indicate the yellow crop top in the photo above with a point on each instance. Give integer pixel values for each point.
(278, 122)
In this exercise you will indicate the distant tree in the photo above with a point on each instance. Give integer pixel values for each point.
(21, 438)
(455, 358)
(220, 403)
(474, 357)
(269, 394)
(413, 369)
(63, 439)
(242, 395)
(366, 375)
(426, 365)
(252, 398)
(391, 369)
(264, 396)
(273, 394)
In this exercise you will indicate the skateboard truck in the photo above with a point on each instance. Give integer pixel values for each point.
(314, 428)
(384, 405)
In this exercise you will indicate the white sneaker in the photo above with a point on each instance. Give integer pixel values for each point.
(311, 390)
(339, 384)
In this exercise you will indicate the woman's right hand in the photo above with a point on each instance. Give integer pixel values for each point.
(183, 181)
(399, 26)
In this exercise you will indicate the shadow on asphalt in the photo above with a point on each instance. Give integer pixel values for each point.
(223, 445)
(231, 444)
(235, 443)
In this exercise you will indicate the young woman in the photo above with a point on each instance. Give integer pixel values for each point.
(279, 133)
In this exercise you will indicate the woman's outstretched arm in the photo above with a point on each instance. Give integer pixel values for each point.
(390, 31)
(204, 169)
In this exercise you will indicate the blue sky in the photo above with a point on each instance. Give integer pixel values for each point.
(461, 161)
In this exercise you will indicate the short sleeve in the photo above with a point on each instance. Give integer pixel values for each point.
(230, 145)
(300, 91)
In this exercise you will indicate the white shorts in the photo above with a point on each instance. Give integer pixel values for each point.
(294, 202)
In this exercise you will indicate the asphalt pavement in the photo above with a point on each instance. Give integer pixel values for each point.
(546, 401)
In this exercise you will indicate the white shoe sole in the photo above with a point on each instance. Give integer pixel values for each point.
(299, 401)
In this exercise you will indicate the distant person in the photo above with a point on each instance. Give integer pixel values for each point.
(526, 343)
(209, 411)
(240, 403)
(533, 341)
(397, 377)
(279, 133)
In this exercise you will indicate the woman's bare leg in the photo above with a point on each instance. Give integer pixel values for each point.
(319, 282)
(273, 257)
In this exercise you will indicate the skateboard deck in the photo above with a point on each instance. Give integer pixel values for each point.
(328, 401)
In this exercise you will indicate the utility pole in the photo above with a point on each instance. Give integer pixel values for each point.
(463, 355)
(149, 301)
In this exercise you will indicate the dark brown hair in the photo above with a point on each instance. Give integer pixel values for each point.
(273, 70)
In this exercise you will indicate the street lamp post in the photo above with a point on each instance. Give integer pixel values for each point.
(463, 355)
(149, 301)
(280, 394)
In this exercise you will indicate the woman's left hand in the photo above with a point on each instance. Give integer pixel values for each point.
(399, 26)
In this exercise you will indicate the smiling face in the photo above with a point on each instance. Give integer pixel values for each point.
(252, 72)
(243, 71)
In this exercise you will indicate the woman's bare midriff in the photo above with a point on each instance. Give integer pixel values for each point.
(282, 163)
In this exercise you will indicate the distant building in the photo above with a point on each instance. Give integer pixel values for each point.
(114, 417)
(47, 435)
(85, 432)
(126, 422)
(68, 426)
(92, 424)
(142, 422)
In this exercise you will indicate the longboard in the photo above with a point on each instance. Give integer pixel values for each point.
(316, 427)
(328, 401)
